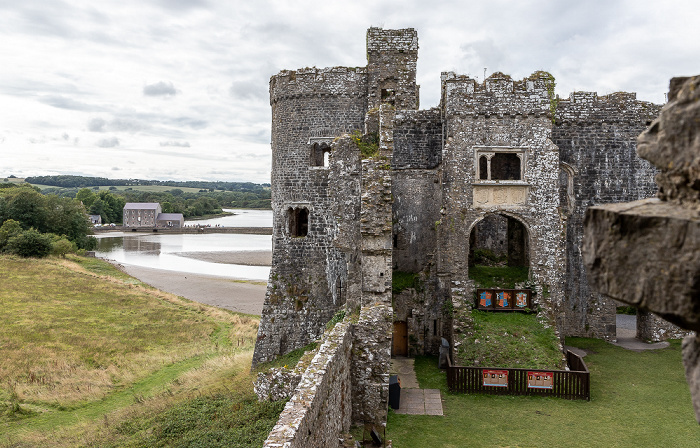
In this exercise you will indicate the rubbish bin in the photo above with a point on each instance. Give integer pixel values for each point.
(394, 391)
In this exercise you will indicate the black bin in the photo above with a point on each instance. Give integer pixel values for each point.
(394, 391)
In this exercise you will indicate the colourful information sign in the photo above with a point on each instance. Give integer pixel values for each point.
(498, 378)
(540, 380)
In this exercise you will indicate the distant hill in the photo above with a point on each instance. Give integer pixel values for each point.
(67, 181)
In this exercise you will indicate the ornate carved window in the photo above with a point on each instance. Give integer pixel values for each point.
(500, 178)
(500, 163)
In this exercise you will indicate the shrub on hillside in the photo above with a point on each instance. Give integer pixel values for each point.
(29, 243)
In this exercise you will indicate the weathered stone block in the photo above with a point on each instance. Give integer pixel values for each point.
(646, 253)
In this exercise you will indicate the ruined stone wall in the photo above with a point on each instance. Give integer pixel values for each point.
(392, 58)
(309, 106)
(651, 327)
(597, 141)
(415, 185)
(320, 410)
(500, 116)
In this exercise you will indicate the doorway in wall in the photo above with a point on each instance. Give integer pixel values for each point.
(400, 339)
(499, 251)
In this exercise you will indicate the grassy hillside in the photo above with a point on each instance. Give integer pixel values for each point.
(93, 357)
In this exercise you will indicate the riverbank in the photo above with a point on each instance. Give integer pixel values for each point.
(236, 295)
(247, 258)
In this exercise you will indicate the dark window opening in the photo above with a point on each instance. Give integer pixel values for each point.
(483, 168)
(298, 222)
(388, 96)
(504, 166)
(320, 154)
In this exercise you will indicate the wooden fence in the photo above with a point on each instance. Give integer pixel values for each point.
(573, 384)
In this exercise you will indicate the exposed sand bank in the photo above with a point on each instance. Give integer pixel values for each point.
(248, 258)
(235, 295)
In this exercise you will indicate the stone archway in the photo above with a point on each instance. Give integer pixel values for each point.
(499, 239)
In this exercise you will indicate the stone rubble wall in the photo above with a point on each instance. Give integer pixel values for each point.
(392, 60)
(371, 359)
(596, 137)
(308, 273)
(276, 384)
(415, 185)
(320, 410)
(652, 328)
(647, 253)
(500, 114)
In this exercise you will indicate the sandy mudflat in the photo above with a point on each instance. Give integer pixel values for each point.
(244, 297)
(248, 258)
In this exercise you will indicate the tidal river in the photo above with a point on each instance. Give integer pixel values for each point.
(232, 256)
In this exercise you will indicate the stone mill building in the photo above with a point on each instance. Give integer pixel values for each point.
(366, 184)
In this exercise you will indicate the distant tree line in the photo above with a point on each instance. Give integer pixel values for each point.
(66, 181)
(34, 224)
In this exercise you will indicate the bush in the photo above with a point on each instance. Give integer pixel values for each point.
(61, 247)
(29, 243)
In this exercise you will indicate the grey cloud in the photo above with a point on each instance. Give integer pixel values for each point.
(108, 142)
(126, 125)
(183, 4)
(63, 102)
(160, 88)
(116, 125)
(249, 90)
(176, 143)
(191, 122)
(116, 168)
(96, 125)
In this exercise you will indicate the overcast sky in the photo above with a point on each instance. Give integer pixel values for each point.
(178, 89)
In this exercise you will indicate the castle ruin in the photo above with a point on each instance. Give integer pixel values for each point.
(366, 184)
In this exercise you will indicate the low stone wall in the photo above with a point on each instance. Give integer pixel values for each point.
(320, 410)
(651, 327)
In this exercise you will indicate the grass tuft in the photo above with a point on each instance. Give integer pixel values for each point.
(512, 340)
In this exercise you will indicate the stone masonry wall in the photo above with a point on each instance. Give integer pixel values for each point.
(651, 327)
(305, 286)
(500, 115)
(597, 141)
(320, 410)
(415, 185)
(392, 58)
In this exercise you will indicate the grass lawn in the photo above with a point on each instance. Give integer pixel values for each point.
(637, 400)
(92, 357)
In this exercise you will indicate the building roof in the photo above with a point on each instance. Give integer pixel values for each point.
(170, 217)
(141, 205)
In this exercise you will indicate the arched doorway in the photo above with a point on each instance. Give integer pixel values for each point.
(499, 247)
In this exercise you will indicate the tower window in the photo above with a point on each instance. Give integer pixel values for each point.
(298, 221)
(320, 154)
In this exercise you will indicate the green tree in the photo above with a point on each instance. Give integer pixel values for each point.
(86, 196)
(9, 229)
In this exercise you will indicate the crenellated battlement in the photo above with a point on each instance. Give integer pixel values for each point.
(330, 81)
(498, 95)
(614, 107)
(402, 40)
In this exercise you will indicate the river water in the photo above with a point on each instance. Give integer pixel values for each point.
(169, 252)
